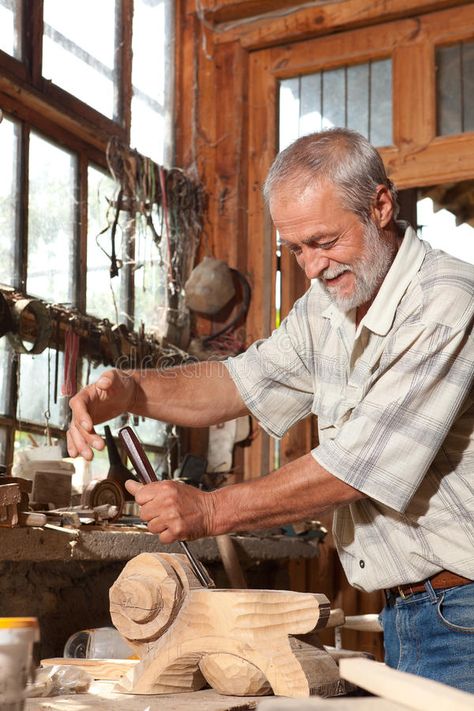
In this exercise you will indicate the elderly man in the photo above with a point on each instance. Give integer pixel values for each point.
(380, 348)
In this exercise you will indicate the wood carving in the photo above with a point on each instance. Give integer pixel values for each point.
(235, 640)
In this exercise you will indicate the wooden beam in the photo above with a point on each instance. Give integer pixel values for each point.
(325, 19)
(218, 11)
(30, 103)
(412, 691)
(447, 159)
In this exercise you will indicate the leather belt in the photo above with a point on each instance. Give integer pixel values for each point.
(443, 579)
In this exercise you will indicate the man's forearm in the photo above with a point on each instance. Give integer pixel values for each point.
(195, 395)
(299, 490)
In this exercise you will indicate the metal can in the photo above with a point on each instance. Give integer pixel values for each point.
(17, 637)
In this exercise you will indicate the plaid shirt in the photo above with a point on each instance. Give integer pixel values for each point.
(395, 412)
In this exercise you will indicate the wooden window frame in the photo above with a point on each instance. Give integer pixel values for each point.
(39, 105)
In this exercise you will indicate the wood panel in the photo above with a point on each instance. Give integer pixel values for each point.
(326, 18)
(261, 264)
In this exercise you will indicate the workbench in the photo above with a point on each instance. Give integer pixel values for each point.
(102, 698)
(67, 586)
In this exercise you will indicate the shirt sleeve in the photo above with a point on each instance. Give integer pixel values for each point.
(393, 434)
(273, 377)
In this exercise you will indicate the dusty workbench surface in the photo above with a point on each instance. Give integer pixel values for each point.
(115, 544)
(102, 698)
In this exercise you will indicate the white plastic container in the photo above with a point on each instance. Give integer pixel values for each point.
(17, 637)
(98, 643)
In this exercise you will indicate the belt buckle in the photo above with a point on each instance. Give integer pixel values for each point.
(402, 594)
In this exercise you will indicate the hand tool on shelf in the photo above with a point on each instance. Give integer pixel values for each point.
(146, 474)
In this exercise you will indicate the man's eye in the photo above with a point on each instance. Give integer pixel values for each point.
(327, 245)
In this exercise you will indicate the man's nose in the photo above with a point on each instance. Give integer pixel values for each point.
(315, 263)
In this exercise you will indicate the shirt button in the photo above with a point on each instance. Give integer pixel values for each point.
(362, 563)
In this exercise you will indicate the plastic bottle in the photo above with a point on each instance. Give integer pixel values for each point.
(98, 643)
(17, 637)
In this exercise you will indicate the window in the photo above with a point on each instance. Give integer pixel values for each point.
(88, 72)
(357, 96)
(455, 88)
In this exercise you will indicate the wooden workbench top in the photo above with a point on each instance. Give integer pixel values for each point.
(102, 698)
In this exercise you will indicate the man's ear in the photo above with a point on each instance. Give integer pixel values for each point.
(383, 207)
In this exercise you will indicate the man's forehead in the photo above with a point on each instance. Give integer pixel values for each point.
(301, 190)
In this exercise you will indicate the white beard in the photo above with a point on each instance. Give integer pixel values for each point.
(369, 271)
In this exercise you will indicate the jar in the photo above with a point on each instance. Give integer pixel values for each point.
(17, 637)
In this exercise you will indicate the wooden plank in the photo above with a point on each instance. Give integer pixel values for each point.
(33, 39)
(228, 217)
(352, 47)
(326, 18)
(414, 122)
(125, 66)
(446, 159)
(415, 692)
(231, 10)
(261, 261)
(185, 86)
(64, 114)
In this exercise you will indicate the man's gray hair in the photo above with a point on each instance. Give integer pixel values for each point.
(343, 157)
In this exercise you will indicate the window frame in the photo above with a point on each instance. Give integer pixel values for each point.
(56, 115)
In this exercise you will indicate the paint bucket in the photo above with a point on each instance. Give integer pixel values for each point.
(17, 637)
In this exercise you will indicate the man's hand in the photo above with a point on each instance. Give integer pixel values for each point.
(175, 511)
(111, 395)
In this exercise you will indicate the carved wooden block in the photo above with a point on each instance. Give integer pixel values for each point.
(235, 640)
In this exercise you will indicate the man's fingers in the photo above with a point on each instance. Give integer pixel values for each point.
(71, 447)
(104, 383)
(80, 441)
(133, 487)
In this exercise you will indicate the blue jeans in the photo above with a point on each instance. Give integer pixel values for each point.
(431, 634)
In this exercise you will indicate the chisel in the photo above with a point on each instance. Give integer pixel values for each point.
(146, 474)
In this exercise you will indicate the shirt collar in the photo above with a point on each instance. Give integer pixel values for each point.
(379, 318)
(381, 313)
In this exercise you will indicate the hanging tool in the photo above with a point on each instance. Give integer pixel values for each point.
(146, 474)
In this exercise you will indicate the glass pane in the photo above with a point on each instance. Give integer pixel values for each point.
(468, 85)
(33, 401)
(9, 144)
(10, 27)
(6, 356)
(152, 79)
(151, 292)
(334, 98)
(103, 293)
(381, 103)
(310, 116)
(289, 111)
(79, 50)
(51, 221)
(449, 100)
(358, 98)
